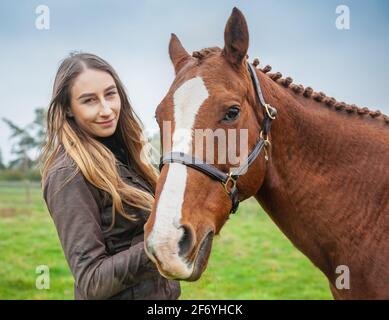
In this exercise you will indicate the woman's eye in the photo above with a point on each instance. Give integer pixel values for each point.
(232, 114)
(111, 93)
(90, 100)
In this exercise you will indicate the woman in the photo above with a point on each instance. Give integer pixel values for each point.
(97, 185)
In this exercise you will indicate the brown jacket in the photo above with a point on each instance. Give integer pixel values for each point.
(105, 264)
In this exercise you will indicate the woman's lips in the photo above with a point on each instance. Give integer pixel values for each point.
(106, 123)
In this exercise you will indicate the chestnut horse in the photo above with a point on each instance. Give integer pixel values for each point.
(325, 182)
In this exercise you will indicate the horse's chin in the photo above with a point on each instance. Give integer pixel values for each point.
(201, 259)
(196, 267)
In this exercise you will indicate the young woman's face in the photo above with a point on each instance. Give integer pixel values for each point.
(95, 103)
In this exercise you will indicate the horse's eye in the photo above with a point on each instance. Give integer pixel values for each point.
(232, 114)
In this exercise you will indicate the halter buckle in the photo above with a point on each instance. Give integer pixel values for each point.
(265, 139)
(267, 144)
(225, 184)
(270, 111)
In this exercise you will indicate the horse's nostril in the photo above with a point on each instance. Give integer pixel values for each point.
(185, 243)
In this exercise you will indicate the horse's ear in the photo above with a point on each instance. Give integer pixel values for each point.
(177, 53)
(236, 38)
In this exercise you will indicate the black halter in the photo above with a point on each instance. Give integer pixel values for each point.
(229, 180)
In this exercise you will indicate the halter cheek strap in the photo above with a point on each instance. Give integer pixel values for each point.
(229, 180)
(270, 112)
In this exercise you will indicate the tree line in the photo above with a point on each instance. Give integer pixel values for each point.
(26, 143)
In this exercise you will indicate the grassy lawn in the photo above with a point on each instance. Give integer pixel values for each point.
(251, 259)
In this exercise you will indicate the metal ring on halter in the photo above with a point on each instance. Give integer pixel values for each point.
(267, 107)
(267, 144)
(266, 140)
(225, 184)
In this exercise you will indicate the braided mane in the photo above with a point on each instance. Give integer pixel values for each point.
(299, 89)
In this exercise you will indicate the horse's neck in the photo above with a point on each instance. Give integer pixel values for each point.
(325, 176)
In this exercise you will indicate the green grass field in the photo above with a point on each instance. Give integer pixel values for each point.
(250, 259)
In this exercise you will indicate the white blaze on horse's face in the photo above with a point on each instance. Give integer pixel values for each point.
(167, 229)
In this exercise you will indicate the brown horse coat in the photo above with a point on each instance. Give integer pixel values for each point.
(325, 185)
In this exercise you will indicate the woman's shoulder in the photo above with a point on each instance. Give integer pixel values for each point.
(63, 168)
(62, 161)
(64, 178)
(65, 181)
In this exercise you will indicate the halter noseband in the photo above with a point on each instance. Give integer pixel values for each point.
(229, 180)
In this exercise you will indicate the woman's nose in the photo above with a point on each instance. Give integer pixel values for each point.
(105, 109)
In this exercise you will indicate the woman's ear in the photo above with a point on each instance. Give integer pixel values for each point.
(236, 39)
(177, 53)
(69, 113)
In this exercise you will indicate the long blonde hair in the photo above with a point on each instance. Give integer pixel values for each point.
(95, 161)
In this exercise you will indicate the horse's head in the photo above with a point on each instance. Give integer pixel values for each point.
(212, 93)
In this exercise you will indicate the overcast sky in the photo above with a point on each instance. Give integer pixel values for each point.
(297, 37)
